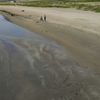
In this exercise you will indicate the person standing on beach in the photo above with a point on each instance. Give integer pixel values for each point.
(45, 18)
(41, 19)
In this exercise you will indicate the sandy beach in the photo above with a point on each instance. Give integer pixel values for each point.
(78, 32)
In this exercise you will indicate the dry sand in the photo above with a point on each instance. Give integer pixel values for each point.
(84, 20)
(78, 32)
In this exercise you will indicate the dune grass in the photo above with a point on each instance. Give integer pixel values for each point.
(79, 5)
(93, 6)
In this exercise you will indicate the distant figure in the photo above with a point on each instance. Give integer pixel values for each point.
(45, 18)
(23, 10)
(41, 19)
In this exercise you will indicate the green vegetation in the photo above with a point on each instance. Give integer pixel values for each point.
(6, 3)
(93, 6)
(86, 7)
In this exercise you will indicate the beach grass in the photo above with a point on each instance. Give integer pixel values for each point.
(92, 6)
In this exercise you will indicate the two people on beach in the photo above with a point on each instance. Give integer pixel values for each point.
(43, 18)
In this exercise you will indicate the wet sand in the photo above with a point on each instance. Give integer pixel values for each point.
(70, 74)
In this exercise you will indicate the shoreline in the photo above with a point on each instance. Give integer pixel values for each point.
(32, 67)
(82, 44)
(66, 67)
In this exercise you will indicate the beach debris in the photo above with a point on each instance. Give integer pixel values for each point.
(23, 10)
(12, 14)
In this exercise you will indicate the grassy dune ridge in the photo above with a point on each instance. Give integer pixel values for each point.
(79, 4)
(93, 6)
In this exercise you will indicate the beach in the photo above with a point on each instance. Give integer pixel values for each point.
(78, 32)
